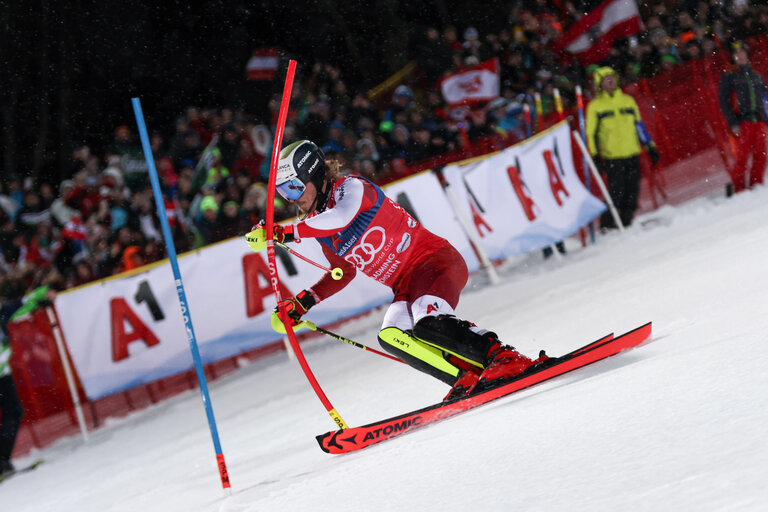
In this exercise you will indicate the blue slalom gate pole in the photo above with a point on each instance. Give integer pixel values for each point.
(185, 313)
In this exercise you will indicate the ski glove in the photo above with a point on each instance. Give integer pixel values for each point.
(257, 238)
(654, 154)
(296, 307)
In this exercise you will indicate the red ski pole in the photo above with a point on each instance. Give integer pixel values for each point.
(336, 273)
(282, 312)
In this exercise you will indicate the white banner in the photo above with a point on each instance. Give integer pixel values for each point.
(526, 197)
(423, 197)
(128, 330)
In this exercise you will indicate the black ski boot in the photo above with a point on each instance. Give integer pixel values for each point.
(456, 336)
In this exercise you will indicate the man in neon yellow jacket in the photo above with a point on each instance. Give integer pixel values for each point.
(615, 137)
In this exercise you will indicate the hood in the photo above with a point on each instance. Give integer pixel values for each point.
(599, 74)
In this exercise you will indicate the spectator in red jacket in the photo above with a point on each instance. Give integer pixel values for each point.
(747, 120)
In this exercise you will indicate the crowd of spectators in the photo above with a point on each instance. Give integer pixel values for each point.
(213, 164)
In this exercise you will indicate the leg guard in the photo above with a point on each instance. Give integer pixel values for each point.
(418, 354)
(456, 336)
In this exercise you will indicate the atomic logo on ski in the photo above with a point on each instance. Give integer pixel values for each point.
(334, 441)
(392, 428)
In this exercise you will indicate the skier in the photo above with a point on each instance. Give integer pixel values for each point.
(361, 229)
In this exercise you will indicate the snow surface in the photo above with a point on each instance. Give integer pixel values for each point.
(678, 423)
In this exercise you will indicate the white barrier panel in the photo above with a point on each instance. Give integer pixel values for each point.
(128, 330)
(526, 197)
(423, 197)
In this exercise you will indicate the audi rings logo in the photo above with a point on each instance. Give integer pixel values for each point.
(365, 252)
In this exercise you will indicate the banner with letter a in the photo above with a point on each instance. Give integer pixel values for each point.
(526, 197)
(129, 330)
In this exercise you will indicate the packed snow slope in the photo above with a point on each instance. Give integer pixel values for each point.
(678, 423)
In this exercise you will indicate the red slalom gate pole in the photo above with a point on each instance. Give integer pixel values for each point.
(561, 117)
(274, 279)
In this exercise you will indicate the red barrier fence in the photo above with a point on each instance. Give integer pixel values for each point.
(41, 383)
(680, 109)
(682, 113)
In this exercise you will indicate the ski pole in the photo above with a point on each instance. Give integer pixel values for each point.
(310, 325)
(278, 326)
(336, 273)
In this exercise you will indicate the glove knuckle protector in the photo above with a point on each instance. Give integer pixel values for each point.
(298, 306)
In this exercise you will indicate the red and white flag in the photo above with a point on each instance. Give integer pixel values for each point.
(475, 84)
(590, 39)
(75, 229)
(263, 64)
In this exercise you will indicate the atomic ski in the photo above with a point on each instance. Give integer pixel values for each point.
(350, 439)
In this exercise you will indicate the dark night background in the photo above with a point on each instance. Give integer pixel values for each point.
(70, 69)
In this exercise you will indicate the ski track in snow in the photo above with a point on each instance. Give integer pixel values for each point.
(675, 424)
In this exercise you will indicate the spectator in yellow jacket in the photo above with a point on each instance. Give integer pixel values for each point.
(615, 137)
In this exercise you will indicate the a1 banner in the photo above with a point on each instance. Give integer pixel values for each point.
(526, 197)
(128, 330)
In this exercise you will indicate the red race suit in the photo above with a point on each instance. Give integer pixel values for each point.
(361, 229)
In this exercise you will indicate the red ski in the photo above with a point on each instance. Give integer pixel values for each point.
(350, 439)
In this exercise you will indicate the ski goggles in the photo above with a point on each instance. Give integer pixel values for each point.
(291, 189)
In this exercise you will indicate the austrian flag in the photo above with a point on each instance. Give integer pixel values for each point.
(590, 39)
(263, 64)
(475, 84)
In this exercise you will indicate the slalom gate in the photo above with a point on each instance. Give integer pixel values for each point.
(100, 320)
